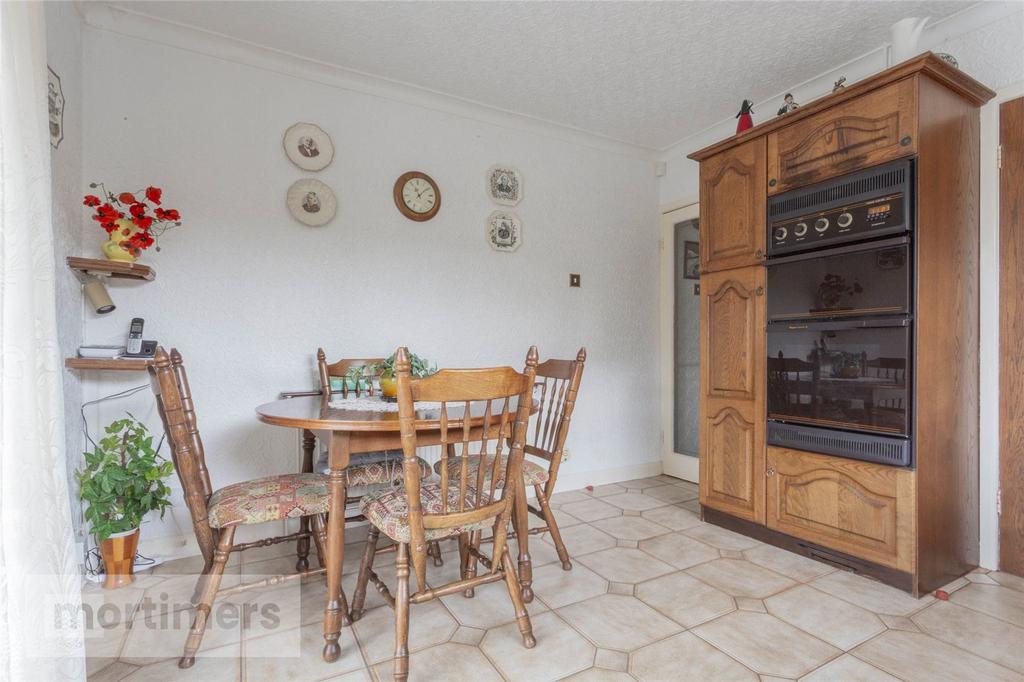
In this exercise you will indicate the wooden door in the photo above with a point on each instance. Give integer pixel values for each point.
(1011, 337)
(877, 127)
(732, 207)
(859, 508)
(732, 412)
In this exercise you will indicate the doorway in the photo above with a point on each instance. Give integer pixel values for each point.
(680, 342)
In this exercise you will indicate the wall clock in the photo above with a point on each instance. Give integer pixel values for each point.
(417, 196)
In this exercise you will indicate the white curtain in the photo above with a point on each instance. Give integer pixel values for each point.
(40, 588)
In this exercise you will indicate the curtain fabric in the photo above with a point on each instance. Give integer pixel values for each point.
(40, 587)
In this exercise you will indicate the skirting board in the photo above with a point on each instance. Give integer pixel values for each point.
(171, 547)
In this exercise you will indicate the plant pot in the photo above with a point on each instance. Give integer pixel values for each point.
(112, 247)
(118, 552)
(389, 387)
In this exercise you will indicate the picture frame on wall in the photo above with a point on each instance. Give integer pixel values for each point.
(308, 146)
(691, 260)
(55, 107)
(311, 202)
(504, 184)
(504, 231)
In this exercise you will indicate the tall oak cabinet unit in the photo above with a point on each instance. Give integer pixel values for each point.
(914, 528)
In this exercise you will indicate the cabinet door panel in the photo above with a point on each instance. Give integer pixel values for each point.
(732, 392)
(860, 508)
(878, 127)
(732, 207)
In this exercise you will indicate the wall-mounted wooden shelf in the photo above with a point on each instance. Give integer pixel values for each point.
(112, 268)
(121, 364)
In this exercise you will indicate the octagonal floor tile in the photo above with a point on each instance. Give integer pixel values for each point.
(560, 650)
(615, 621)
(625, 565)
(685, 655)
(684, 599)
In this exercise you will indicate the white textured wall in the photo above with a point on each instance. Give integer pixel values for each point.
(247, 294)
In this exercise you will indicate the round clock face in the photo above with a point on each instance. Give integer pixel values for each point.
(417, 196)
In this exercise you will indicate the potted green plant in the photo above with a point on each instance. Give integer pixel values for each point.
(419, 367)
(122, 481)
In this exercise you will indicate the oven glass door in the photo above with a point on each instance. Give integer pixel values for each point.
(854, 281)
(849, 374)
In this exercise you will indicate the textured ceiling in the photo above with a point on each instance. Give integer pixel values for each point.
(649, 73)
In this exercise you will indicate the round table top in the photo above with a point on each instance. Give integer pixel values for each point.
(311, 412)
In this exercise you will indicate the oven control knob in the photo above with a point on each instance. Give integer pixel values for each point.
(844, 219)
(821, 224)
(780, 233)
(800, 230)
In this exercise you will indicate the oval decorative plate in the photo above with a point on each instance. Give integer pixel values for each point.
(504, 231)
(311, 202)
(308, 146)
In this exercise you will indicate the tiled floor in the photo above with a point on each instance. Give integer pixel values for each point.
(655, 594)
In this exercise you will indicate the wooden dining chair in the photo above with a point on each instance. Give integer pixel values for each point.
(216, 513)
(555, 390)
(459, 505)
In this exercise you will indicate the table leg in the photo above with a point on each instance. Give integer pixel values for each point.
(521, 524)
(334, 613)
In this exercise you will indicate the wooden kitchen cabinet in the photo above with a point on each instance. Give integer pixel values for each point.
(732, 404)
(732, 208)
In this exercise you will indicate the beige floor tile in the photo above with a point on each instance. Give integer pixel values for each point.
(114, 672)
(611, 660)
(670, 494)
(618, 622)
(643, 483)
(569, 496)
(448, 661)
(541, 553)
(219, 665)
(104, 608)
(625, 565)
(672, 517)
(791, 565)
(163, 636)
(898, 623)
(633, 544)
(608, 489)
(468, 635)
(773, 678)
(951, 587)
(630, 527)
(684, 599)
(621, 588)
(870, 594)
(750, 604)
(490, 606)
(560, 651)
(583, 539)
(741, 578)
(994, 600)
(384, 567)
(562, 518)
(297, 655)
(720, 537)
(766, 644)
(730, 554)
(637, 502)
(916, 657)
(839, 623)
(174, 593)
(691, 505)
(429, 624)
(685, 656)
(599, 675)
(591, 510)
(980, 578)
(103, 645)
(557, 588)
(361, 675)
(281, 549)
(293, 605)
(679, 550)
(976, 632)
(1008, 580)
(190, 565)
(846, 668)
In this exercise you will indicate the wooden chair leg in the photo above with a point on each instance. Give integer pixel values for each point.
(556, 535)
(320, 538)
(515, 593)
(197, 594)
(210, 583)
(302, 546)
(470, 571)
(359, 596)
(434, 550)
(402, 614)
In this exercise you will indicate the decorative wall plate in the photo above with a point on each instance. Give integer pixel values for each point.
(311, 202)
(504, 184)
(55, 106)
(308, 146)
(504, 231)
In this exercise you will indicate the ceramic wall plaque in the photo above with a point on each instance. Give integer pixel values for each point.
(504, 231)
(308, 146)
(504, 184)
(55, 106)
(311, 202)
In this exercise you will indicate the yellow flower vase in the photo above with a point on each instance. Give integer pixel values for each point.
(112, 247)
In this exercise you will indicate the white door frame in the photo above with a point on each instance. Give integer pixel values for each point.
(673, 464)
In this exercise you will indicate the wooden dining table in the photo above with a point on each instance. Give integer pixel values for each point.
(347, 432)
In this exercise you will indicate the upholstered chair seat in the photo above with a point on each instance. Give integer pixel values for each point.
(373, 469)
(388, 510)
(533, 473)
(268, 499)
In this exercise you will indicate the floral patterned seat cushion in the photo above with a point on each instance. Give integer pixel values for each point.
(533, 473)
(268, 499)
(373, 468)
(388, 510)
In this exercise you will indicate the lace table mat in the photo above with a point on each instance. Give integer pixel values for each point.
(374, 404)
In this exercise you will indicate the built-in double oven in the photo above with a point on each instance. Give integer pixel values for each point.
(840, 309)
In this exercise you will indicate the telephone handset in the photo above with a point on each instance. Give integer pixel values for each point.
(136, 346)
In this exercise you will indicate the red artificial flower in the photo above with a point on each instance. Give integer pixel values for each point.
(143, 222)
(91, 200)
(138, 210)
(172, 214)
(126, 198)
(153, 194)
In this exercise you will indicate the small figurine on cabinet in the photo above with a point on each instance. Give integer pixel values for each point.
(788, 105)
(839, 84)
(745, 122)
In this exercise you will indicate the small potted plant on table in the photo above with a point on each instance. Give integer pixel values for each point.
(388, 385)
(122, 481)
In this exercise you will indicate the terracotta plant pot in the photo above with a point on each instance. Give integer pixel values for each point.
(118, 552)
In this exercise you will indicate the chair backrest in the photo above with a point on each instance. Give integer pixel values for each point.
(556, 385)
(178, 413)
(499, 400)
(341, 368)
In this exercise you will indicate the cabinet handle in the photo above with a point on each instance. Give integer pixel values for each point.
(759, 291)
(906, 141)
(759, 254)
(770, 472)
(772, 182)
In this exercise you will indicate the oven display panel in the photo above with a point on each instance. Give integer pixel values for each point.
(867, 218)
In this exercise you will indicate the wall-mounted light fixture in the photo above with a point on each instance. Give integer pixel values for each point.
(96, 292)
